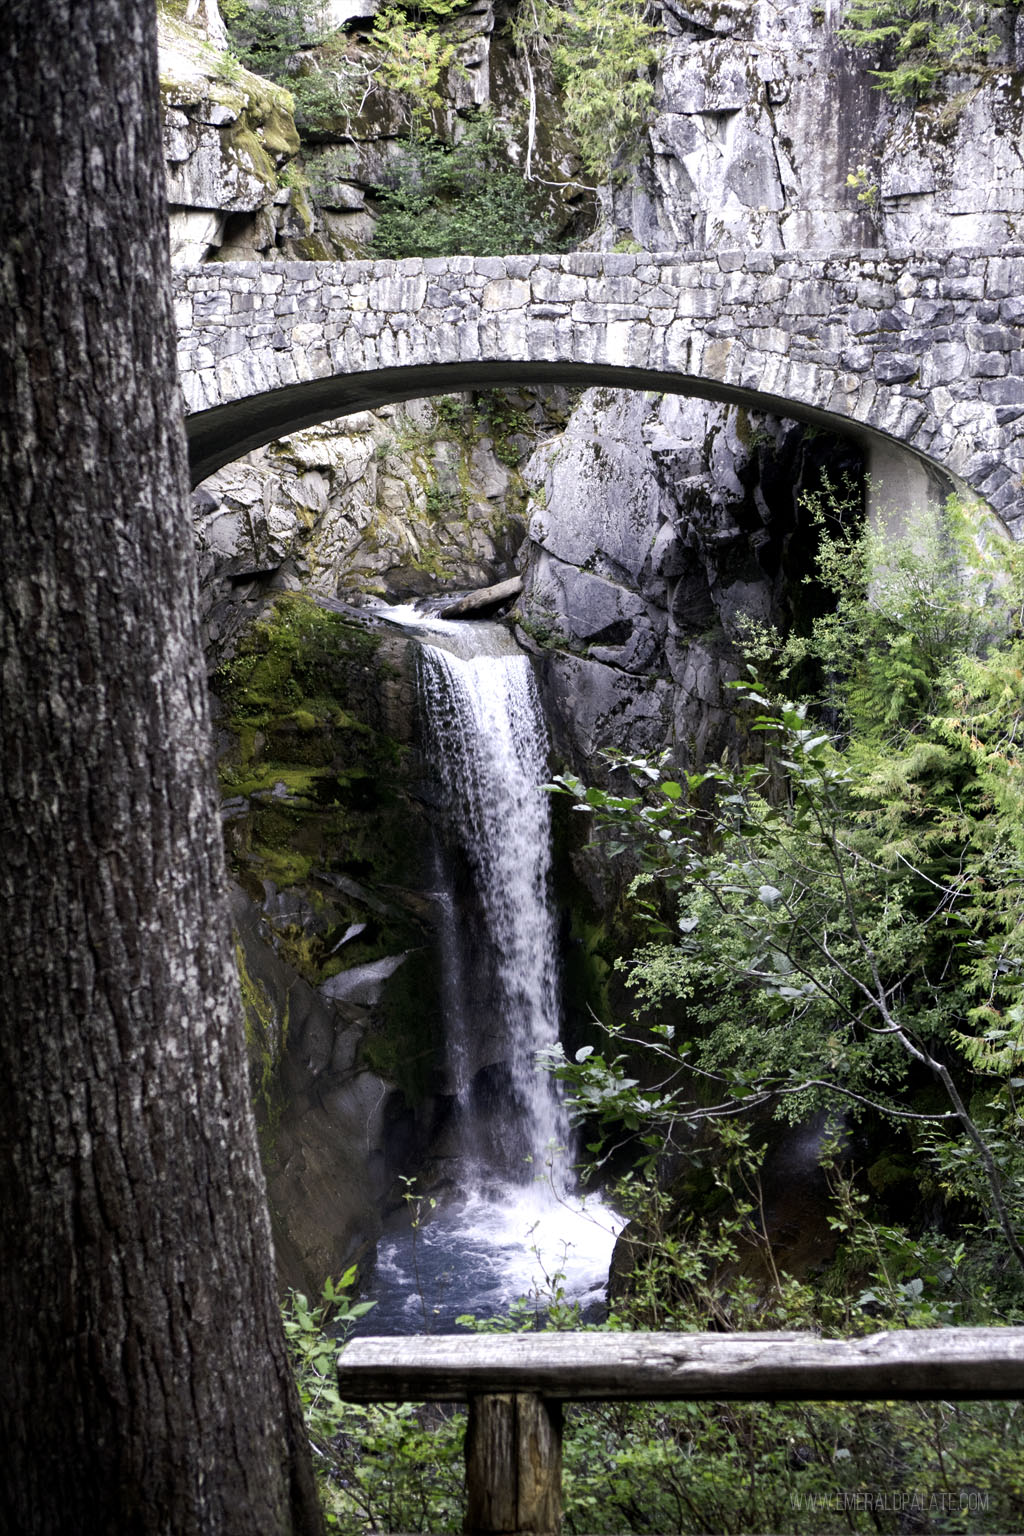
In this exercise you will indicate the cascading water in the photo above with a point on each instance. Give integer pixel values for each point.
(488, 747)
(514, 1223)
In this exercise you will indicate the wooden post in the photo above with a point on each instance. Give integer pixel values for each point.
(513, 1465)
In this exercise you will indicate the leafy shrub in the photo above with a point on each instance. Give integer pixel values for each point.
(603, 54)
(465, 199)
(412, 54)
(275, 39)
(268, 36)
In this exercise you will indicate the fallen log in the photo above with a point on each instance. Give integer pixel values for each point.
(484, 601)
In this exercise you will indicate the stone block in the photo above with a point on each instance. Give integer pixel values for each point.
(773, 338)
(988, 365)
(942, 364)
(740, 288)
(991, 338)
(1003, 278)
(620, 263)
(892, 320)
(895, 367)
(394, 293)
(932, 312)
(992, 483)
(619, 290)
(862, 322)
(461, 266)
(876, 295)
(560, 287)
(583, 263)
(856, 359)
(491, 267)
(505, 293)
(967, 287)
(694, 303)
(520, 266)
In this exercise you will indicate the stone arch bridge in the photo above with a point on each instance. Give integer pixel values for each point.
(919, 356)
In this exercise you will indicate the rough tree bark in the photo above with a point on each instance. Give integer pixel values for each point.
(144, 1385)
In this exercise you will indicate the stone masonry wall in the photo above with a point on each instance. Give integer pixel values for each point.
(924, 350)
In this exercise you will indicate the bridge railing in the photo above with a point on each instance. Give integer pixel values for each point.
(516, 1384)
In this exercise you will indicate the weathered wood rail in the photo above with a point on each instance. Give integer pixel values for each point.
(516, 1384)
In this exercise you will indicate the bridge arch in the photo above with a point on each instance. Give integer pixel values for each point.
(908, 352)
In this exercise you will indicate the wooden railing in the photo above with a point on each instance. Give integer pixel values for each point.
(515, 1385)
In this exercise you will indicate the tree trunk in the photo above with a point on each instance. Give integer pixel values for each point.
(144, 1385)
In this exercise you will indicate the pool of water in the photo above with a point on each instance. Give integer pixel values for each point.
(480, 1254)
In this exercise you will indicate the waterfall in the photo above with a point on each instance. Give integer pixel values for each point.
(488, 747)
(510, 1224)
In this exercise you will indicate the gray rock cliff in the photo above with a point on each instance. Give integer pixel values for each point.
(767, 131)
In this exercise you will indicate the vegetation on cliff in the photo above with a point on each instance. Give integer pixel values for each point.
(840, 927)
(920, 43)
(482, 187)
(317, 793)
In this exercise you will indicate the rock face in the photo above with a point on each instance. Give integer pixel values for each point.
(229, 139)
(670, 535)
(762, 115)
(402, 502)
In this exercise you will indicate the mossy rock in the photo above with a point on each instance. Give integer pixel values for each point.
(406, 1044)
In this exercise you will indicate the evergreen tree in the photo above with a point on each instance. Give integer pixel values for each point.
(145, 1386)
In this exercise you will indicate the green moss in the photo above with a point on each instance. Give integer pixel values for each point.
(284, 866)
(240, 146)
(312, 248)
(295, 661)
(277, 126)
(265, 1039)
(263, 778)
(326, 788)
(890, 1169)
